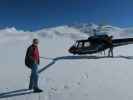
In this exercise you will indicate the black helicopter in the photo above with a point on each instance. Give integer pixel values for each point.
(95, 44)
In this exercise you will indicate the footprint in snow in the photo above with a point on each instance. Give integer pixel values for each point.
(54, 89)
(86, 75)
(79, 83)
(66, 87)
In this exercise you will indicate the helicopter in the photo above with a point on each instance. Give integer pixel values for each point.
(95, 44)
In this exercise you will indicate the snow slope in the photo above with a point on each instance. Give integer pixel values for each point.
(62, 75)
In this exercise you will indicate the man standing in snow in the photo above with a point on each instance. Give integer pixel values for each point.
(108, 41)
(32, 61)
(110, 53)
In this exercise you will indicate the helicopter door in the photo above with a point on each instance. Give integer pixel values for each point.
(86, 44)
(86, 47)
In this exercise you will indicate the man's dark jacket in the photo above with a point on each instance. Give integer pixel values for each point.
(29, 60)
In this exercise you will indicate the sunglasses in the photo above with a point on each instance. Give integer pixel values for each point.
(36, 42)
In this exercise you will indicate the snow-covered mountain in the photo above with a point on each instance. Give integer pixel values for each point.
(76, 31)
(103, 29)
(62, 31)
(12, 33)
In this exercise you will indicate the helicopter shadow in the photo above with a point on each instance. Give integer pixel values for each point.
(125, 57)
(54, 60)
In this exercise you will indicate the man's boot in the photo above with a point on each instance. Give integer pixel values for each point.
(37, 90)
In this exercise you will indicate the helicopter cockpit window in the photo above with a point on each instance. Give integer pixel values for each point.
(80, 45)
(76, 44)
(86, 44)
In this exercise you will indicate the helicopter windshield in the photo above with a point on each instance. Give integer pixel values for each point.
(78, 44)
(75, 44)
(82, 44)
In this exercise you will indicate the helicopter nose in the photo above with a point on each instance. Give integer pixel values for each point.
(71, 50)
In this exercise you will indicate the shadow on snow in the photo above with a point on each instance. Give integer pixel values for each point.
(54, 60)
(21, 92)
(14, 93)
